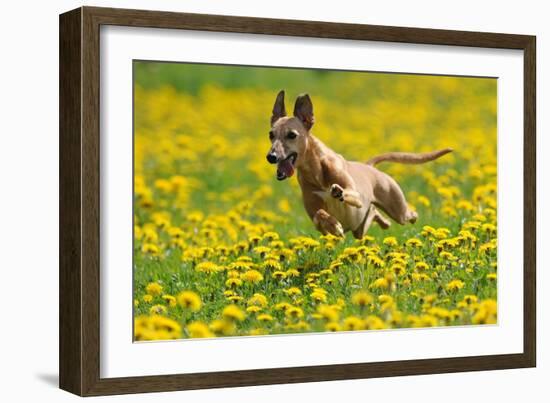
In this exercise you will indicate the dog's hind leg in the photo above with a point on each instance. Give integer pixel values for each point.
(381, 220)
(372, 215)
(390, 198)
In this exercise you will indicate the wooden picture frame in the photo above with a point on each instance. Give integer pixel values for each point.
(80, 187)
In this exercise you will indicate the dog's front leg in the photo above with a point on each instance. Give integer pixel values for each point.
(315, 207)
(346, 195)
(340, 182)
(327, 224)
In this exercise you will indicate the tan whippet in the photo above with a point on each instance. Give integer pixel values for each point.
(338, 195)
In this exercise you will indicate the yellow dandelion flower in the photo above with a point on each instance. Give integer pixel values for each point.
(421, 266)
(258, 299)
(470, 299)
(442, 232)
(257, 332)
(420, 277)
(252, 276)
(471, 225)
(454, 285)
(207, 267)
(398, 269)
(279, 275)
(156, 327)
(175, 232)
(235, 298)
(233, 282)
(264, 317)
(233, 274)
(386, 302)
(361, 298)
(276, 244)
(223, 326)
(189, 300)
(423, 200)
(262, 250)
(293, 291)
(427, 231)
(198, 330)
(373, 322)
(328, 312)
(353, 323)
(282, 306)
(414, 242)
(153, 289)
(292, 273)
(138, 233)
(271, 236)
(240, 265)
(380, 283)
(333, 327)
(487, 247)
(158, 310)
(150, 234)
(447, 255)
(375, 261)
(440, 313)
(233, 312)
(254, 240)
(335, 265)
(486, 312)
(326, 272)
(271, 264)
(170, 300)
(465, 205)
(299, 326)
(319, 295)
(150, 249)
(294, 312)
(253, 309)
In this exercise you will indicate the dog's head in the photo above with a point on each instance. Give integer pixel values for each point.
(289, 135)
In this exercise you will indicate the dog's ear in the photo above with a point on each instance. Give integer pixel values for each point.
(279, 107)
(303, 110)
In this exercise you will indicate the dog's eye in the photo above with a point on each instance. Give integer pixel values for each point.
(291, 135)
(271, 135)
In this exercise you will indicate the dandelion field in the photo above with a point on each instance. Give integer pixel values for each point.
(221, 248)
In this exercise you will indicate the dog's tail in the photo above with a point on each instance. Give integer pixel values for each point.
(408, 158)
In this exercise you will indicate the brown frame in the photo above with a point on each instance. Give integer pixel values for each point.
(79, 200)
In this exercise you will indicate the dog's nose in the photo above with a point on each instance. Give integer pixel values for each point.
(272, 158)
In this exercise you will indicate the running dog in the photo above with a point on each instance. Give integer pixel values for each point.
(338, 195)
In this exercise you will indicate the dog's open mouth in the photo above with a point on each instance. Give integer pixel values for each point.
(285, 168)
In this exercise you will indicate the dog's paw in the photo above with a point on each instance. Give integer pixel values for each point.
(353, 201)
(349, 197)
(333, 227)
(327, 224)
(337, 192)
(412, 216)
(382, 221)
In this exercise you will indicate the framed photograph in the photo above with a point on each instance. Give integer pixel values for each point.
(249, 201)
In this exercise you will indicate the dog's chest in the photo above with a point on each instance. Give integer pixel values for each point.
(350, 217)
